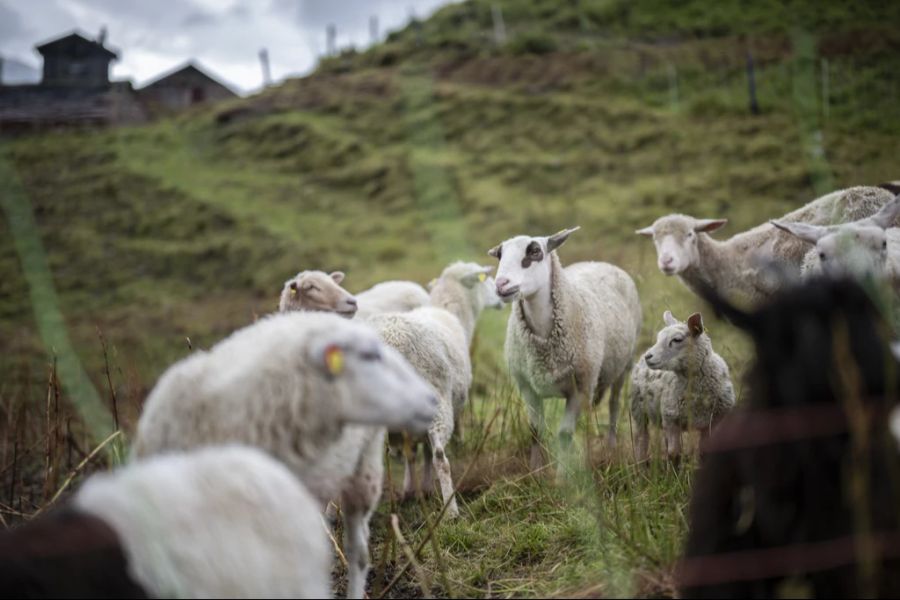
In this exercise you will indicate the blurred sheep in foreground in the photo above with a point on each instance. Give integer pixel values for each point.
(798, 490)
(222, 522)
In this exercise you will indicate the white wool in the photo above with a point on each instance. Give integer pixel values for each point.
(222, 522)
(269, 385)
(679, 383)
(572, 331)
(742, 265)
(391, 296)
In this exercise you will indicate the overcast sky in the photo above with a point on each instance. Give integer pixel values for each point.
(153, 36)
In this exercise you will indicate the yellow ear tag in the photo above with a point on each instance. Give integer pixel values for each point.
(482, 277)
(293, 291)
(334, 360)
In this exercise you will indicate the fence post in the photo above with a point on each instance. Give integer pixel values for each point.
(751, 83)
(331, 38)
(499, 25)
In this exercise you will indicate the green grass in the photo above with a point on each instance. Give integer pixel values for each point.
(391, 163)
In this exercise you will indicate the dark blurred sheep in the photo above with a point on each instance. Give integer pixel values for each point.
(798, 491)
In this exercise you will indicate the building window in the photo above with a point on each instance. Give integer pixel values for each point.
(197, 95)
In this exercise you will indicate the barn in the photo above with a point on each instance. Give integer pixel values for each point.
(183, 87)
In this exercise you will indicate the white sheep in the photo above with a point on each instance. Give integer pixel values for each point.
(317, 291)
(740, 264)
(572, 331)
(681, 383)
(221, 522)
(435, 340)
(868, 247)
(390, 296)
(312, 389)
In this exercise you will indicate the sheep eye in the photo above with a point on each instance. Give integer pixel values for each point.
(310, 287)
(370, 355)
(884, 245)
(822, 256)
(676, 341)
(533, 249)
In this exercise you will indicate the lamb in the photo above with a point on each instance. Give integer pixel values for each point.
(221, 522)
(572, 331)
(739, 265)
(435, 339)
(312, 389)
(390, 296)
(680, 382)
(796, 489)
(868, 247)
(317, 291)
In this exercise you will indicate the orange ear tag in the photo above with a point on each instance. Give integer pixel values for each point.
(334, 360)
(482, 277)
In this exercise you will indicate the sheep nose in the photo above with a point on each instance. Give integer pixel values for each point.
(668, 260)
(501, 283)
(648, 356)
(351, 301)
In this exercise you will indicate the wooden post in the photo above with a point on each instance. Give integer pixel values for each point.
(331, 38)
(264, 62)
(751, 83)
(499, 25)
(673, 85)
(373, 29)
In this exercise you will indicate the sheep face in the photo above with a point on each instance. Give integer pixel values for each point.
(480, 286)
(375, 384)
(524, 267)
(674, 343)
(675, 238)
(855, 249)
(317, 291)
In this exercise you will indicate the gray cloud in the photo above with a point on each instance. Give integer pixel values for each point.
(223, 35)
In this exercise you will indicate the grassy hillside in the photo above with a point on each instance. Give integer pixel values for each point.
(431, 147)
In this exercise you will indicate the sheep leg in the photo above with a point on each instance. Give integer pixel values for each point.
(427, 472)
(535, 408)
(642, 441)
(356, 547)
(673, 442)
(569, 420)
(614, 395)
(442, 466)
(409, 477)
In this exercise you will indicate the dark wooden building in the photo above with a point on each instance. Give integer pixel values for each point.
(75, 61)
(182, 88)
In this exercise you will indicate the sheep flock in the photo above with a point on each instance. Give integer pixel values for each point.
(247, 453)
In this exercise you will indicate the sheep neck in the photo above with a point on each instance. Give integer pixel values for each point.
(452, 298)
(711, 267)
(537, 309)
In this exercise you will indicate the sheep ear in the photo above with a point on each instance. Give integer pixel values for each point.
(695, 324)
(668, 319)
(885, 217)
(558, 239)
(475, 277)
(495, 251)
(338, 277)
(707, 225)
(647, 231)
(804, 231)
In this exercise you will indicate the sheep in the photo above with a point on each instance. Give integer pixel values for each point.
(680, 382)
(317, 291)
(221, 522)
(797, 487)
(390, 296)
(572, 331)
(435, 339)
(312, 389)
(739, 265)
(868, 247)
